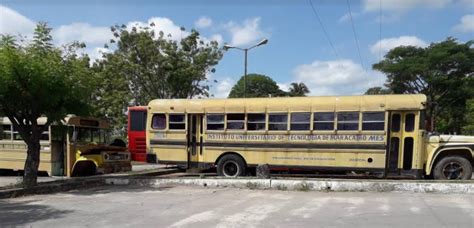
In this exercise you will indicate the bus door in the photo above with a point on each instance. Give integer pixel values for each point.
(194, 139)
(401, 144)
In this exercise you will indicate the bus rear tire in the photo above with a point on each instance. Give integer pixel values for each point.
(231, 165)
(453, 167)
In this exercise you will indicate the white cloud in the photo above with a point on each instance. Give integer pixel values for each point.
(284, 86)
(218, 38)
(387, 44)
(169, 28)
(83, 32)
(247, 33)
(346, 17)
(338, 77)
(403, 5)
(466, 24)
(223, 87)
(13, 23)
(166, 25)
(203, 22)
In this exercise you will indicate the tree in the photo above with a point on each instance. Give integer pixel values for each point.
(469, 116)
(441, 71)
(146, 66)
(257, 86)
(37, 80)
(377, 90)
(298, 90)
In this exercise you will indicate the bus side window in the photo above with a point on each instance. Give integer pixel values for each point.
(44, 136)
(323, 121)
(236, 121)
(158, 121)
(5, 132)
(347, 121)
(373, 121)
(215, 122)
(278, 122)
(177, 122)
(256, 121)
(300, 121)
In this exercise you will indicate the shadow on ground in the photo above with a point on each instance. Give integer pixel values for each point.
(117, 188)
(28, 211)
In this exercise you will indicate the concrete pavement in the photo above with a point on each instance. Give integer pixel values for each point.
(190, 206)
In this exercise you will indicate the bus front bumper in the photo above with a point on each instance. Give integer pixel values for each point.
(114, 167)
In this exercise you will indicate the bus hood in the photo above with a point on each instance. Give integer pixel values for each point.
(95, 149)
(456, 139)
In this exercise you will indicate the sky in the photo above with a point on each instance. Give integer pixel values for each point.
(331, 48)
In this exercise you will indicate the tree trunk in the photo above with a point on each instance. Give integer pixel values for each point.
(30, 176)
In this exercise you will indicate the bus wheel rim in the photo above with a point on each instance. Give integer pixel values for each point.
(231, 169)
(453, 170)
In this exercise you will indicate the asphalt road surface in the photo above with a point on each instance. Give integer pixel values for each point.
(186, 206)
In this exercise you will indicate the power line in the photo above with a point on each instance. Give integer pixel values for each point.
(355, 34)
(380, 30)
(324, 29)
(380, 33)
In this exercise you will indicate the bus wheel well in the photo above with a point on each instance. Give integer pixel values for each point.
(454, 152)
(227, 153)
(84, 168)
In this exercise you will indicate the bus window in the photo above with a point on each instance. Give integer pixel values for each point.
(215, 121)
(5, 132)
(347, 121)
(323, 121)
(373, 121)
(256, 122)
(137, 120)
(177, 122)
(409, 122)
(44, 136)
(158, 121)
(300, 121)
(408, 153)
(395, 123)
(278, 122)
(235, 121)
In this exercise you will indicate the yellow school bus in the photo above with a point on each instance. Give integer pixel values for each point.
(372, 133)
(78, 146)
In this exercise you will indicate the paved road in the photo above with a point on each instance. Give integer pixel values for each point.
(184, 206)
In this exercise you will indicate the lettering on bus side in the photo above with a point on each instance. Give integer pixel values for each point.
(300, 137)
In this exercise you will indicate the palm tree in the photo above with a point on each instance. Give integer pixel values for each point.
(298, 89)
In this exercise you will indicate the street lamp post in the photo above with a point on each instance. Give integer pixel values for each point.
(227, 47)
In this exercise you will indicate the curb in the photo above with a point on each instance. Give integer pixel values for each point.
(310, 185)
(77, 183)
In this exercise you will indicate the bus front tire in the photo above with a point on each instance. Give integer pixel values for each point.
(231, 165)
(453, 167)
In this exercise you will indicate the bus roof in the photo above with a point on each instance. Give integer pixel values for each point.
(285, 104)
(69, 120)
(137, 108)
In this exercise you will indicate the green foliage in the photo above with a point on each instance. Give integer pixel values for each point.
(146, 66)
(38, 79)
(298, 90)
(442, 71)
(377, 90)
(257, 86)
(468, 127)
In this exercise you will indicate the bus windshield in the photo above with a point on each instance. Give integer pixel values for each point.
(92, 135)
